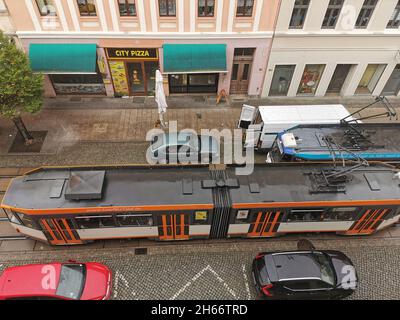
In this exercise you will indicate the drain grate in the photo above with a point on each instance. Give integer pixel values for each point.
(140, 251)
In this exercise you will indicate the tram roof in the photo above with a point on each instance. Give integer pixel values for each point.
(47, 188)
(293, 183)
(163, 186)
(384, 137)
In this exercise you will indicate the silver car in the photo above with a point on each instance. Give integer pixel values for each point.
(184, 147)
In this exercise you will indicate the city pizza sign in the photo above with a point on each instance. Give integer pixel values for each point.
(132, 53)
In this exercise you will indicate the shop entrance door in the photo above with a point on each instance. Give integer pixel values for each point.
(142, 77)
(240, 77)
(338, 78)
(392, 87)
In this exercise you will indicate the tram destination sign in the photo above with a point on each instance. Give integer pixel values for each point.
(132, 53)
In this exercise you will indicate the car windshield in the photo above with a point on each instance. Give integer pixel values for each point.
(327, 273)
(72, 281)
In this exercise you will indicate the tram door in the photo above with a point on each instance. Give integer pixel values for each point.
(369, 221)
(265, 224)
(59, 231)
(174, 226)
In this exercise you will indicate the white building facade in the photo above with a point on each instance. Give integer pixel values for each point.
(335, 47)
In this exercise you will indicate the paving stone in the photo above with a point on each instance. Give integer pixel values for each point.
(6, 230)
(17, 245)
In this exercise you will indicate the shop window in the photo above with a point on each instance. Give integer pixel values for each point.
(394, 21)
(167, 8)
(332, 14)
(206, 8)
(127, 8)
(46, 7)
(311, 78)
(87, 7)
(244, 8)
(366, 13)
(281, 81)
(370, 78)
(95, 222)
(134, 220)
(299, 14)
(193, 83)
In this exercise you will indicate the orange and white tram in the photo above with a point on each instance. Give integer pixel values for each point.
(64, 206)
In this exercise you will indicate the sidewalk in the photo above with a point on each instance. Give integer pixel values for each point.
(108, 130)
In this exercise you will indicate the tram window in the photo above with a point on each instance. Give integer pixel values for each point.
(94, 222)
(12, 216)
(135, 220)
(26, 220)
(305, 215)
(341, 214)
(242, 216)
(200, 217)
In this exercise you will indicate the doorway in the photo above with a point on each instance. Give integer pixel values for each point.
(241, 70)
(392, 87)
(59, 231)
(370, 78)
(141, 77)
(174, 226)
(338, 78)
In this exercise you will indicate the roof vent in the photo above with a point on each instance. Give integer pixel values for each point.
(85, 185)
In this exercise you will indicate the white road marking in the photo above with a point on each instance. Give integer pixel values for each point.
(246, 282)
(197, 276)
(119, 276)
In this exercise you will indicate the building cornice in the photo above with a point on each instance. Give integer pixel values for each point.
(324, 33)
(143, 35)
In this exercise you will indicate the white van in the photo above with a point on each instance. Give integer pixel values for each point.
(268, 121)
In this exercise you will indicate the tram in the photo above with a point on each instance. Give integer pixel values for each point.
(369, 141)
(77, 205)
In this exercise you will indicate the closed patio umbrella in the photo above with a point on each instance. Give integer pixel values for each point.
(160, 97)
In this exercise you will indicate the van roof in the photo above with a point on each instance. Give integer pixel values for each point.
(307, 114)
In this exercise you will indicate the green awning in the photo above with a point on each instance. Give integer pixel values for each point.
(194, 58)
(63, 58)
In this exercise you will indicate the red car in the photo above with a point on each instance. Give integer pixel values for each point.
(56, 281)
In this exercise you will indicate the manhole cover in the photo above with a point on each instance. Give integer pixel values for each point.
(140, 251)
(18, 145)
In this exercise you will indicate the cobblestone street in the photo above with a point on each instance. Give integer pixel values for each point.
(221, 270)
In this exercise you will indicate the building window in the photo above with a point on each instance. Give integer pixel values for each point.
(394, 21)
(310, 79)
(167, 8)
(281, 81)
(127, 8)
(299, 14)
(206, 8)
(87, 7)
(244, 8)
(46, 7)
(366, 13)
(332, 14)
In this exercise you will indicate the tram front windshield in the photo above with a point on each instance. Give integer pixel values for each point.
(72, 281)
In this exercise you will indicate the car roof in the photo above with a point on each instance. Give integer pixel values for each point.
(30, 280)
(296, 265)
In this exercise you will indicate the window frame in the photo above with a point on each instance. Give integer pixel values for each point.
(127, 3)
(88, 13)
(362, 15)
(206, 11)
(46, 3)
(298, 9)
(244, 13)
(167, 8)
(331, 9)
(394, 21)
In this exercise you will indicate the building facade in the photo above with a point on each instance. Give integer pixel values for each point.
(113, 47)
(6, 24)
(335, 47)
